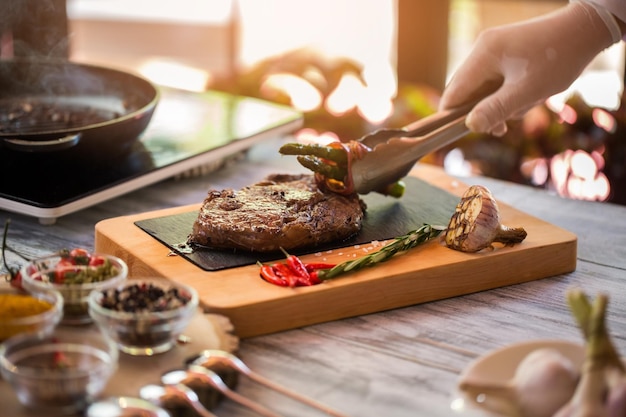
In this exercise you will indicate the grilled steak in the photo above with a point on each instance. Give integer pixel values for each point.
(283, 211)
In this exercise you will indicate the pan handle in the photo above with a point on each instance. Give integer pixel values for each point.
(26, 145)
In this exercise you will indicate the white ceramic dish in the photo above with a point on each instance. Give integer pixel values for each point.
(498, 366)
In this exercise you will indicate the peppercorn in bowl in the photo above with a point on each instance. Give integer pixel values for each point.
(22, 312)
(59, 373)
(74, 274)
(144, 316)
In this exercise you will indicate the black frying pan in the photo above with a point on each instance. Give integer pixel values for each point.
(57, 105)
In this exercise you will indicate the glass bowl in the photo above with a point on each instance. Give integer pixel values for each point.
(58, 373)
(22, 312)
(75, 276)
(144, 316)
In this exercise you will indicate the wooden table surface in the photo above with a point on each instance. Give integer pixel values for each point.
(403, 362)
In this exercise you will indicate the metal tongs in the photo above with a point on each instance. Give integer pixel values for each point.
(392, 153)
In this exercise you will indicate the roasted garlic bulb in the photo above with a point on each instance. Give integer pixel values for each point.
(475, 223)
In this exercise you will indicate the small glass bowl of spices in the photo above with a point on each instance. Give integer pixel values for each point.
(144, 316)
(75, 274)
(22, 312)
(59, 373)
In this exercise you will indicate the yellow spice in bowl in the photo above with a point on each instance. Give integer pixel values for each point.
(15, 309)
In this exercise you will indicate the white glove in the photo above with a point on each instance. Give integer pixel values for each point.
(523, 64)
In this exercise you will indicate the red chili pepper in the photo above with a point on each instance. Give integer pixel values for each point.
(314, 266)
(16, 281)
(314, 279)
(269, 275)
(96, 260)
(80, 256)
(62, 267)
(285, 272)
(59, 360)
(293, 273)
(295, 264)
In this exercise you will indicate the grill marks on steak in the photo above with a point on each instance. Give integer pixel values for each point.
(283, 211)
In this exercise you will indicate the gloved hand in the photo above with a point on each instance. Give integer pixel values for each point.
(525, 63)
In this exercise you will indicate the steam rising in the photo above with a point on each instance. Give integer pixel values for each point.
(33, 28)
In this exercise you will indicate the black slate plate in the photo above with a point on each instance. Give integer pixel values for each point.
(386, 218)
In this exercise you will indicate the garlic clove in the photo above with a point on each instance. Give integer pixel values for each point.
(543, 382)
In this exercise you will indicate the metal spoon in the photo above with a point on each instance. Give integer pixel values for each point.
(211, 357)
(213, 380)
(160, 395)
(125, 407)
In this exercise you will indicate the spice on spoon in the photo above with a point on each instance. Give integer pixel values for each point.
(475, 224)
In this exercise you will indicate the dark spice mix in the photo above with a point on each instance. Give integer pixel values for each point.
(144, 297)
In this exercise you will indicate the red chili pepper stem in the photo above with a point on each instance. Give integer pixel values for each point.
(296, 265)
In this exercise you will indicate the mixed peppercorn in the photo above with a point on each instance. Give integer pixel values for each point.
(145, 314)
(143, 297)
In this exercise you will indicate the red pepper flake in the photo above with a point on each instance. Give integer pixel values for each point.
(59, 359)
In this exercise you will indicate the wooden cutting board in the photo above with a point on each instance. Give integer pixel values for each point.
(427, 273)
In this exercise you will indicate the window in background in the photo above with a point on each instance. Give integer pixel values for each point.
(178, 43)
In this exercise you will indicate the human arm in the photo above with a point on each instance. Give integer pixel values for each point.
(517, 66)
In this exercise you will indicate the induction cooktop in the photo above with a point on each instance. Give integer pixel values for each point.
(187, 130)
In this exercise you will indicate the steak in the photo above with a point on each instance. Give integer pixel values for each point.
(282, 211)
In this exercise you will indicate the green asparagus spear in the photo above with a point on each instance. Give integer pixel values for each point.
(337, 155)
(399, 245)
(591, 321)
(602, 371)
(315, 164)
(332, 163)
